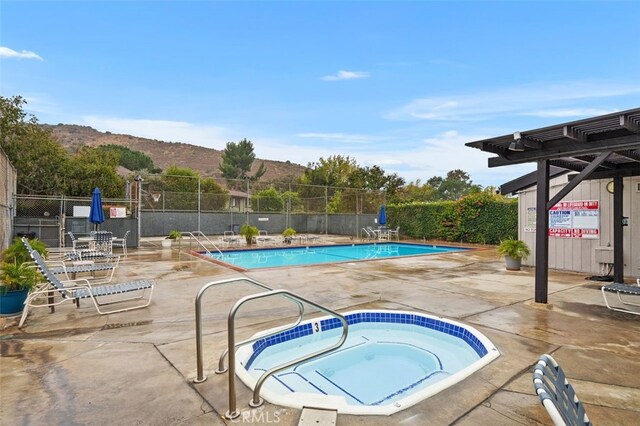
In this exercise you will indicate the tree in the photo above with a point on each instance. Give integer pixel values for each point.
(267, 200)
(180, 179)
(40, 161)
(129, 158)
(237, 159)
(416, 191)
(456, 185)
(91, 168)
(334, 171)
(182, 184)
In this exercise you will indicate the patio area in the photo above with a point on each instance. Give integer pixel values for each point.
(77, 367)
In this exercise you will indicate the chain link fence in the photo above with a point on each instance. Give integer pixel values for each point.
(190, 203)
(50, 218)
(202, 194)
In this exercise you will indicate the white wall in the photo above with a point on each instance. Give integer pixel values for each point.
(576, 254)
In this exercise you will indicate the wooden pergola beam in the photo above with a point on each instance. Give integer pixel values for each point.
(567, 148)
(571, 133)
(631, 126)
(589, 159)
(630, 154)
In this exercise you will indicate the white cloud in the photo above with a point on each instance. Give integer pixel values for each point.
(5, 52)
(336, 137)
(569, 112)
(346, 75)
(549, 100)
(165, 130)
(417, 159)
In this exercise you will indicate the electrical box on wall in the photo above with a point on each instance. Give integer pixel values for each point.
(604, 254)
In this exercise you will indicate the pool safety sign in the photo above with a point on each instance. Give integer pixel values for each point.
(575, 219)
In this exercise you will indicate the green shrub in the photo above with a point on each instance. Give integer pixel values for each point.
(481, 218)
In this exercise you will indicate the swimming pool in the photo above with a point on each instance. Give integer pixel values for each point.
(293, 256)
(391, 360)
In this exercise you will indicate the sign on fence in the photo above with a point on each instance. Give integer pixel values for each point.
(117, 212)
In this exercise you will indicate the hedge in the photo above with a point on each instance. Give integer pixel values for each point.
(482, 218)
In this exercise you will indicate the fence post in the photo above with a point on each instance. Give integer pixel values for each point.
(62, 218)
(326, 210)
(248, 201)
(357, 217)
(138, 180)
(198, 203)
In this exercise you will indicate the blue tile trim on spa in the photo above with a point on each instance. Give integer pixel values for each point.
(384, 317)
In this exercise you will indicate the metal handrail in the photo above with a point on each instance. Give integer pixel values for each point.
(199, 234)
(200, 377)
(221, 369)
(256, 400)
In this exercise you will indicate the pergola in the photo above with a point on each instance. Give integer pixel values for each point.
(604, 147)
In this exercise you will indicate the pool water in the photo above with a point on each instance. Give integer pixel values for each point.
(293, 256)
(390, 361)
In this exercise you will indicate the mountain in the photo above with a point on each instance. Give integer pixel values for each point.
(165, 154)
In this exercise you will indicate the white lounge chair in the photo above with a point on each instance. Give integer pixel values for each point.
(557, 395)
(628, 290)
(74, 290)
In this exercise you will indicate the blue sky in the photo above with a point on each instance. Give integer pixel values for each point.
(399, 84)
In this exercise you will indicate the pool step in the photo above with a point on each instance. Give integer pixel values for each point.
(317, 416)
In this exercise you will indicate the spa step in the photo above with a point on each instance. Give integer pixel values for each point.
(317, 416)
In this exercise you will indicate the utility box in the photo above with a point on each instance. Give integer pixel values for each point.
(604, 254)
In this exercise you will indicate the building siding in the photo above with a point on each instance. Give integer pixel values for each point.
(578, 255)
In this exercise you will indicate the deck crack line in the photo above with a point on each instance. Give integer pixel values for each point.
(498, 389)
(189, 384)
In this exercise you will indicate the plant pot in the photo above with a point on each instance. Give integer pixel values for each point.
(512, 263)
(12, 302)
(166, 243)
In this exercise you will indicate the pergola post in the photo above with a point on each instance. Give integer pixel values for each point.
(542, 232)
(618, 253)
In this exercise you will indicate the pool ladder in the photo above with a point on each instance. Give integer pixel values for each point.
(256, 401)
(196, 235)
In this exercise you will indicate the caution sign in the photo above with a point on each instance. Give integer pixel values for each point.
(575, 219)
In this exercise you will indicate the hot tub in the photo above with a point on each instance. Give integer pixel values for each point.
(390, 361)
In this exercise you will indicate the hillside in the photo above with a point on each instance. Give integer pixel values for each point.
(165, 154)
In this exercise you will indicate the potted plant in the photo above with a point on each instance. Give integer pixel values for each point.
(173, 235)
(18, 276)
(513, 251)
(249, 232)
(288, 235)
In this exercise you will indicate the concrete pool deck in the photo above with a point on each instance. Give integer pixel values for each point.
(77, 367)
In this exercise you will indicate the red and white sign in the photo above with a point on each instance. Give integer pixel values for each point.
(575, 219)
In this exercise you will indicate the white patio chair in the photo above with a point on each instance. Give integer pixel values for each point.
(121, 242)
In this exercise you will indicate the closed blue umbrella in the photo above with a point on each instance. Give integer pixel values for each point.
(382, 216)
(96, 215)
